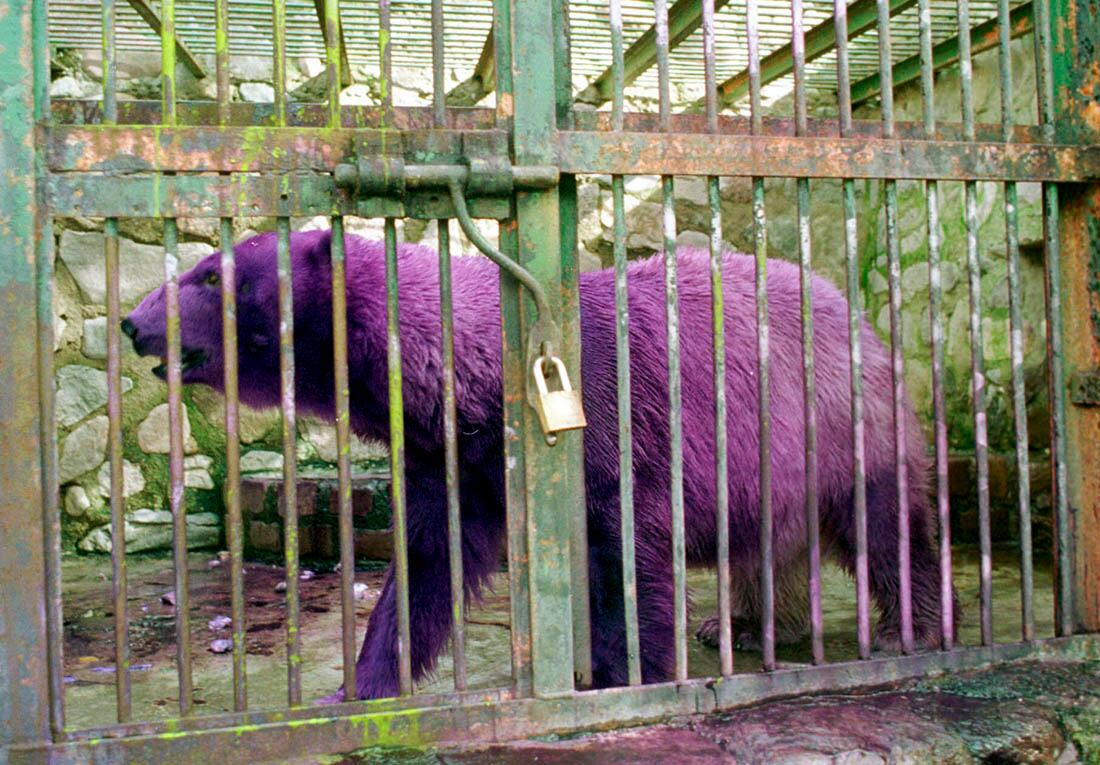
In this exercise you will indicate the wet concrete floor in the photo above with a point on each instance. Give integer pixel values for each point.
(89, 641)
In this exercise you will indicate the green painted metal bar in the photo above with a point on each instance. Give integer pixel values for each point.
(809, 401)
(439, 96)
(861, 16)
(672, 323)
(234, 533)
(116, 499)
(176, 490)
(342, 400)
(156, 23)
(395, 397)
(549, 492)
(38, 77)
(763, 354)
(335, 60)
(287, 375)
(332, 31)
(168, 62)
(450, 449)
(718, 349)
(983, 37)
(30, 672)
(1016, 331)
(684, 17)
(221, 55)
(278, 42)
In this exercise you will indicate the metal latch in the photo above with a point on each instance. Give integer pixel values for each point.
(389, 176)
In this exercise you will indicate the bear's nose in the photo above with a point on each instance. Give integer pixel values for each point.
(129, 329)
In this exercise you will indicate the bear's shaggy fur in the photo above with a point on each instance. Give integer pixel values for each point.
(478, 375)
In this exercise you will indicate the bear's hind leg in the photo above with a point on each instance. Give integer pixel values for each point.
(882, 551)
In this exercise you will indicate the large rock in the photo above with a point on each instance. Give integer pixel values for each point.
(257, 92)
(95, 338)
(71, 87)
(80, 391)
(197, 472)
(322, 438)
(147, 529)
(77, 502)
(84, 449)
(260, 461)
(252, 424)
(142, 265)
(133, 481)
(153, 432)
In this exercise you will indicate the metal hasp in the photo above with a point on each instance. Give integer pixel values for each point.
(484, 176)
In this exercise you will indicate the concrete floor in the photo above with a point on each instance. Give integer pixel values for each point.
(89, 632)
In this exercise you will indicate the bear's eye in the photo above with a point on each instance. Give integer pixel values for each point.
(212, 278)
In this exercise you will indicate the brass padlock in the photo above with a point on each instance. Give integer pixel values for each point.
(560, 409)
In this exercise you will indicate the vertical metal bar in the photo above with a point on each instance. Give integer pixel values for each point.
(935, 318)
(168, 61)
(977, 365)
(1016, 332)
(813, 521)
(1064, 614)
(855, 344)
(41, 236)
(343, 452)
(233, 521)
(897, 352)
(278, 39)
(626, 438)
(333, 65)
(385, 60)
(114, 396)
(450, 453)
(672, 318)
(617, 67)
(175, 465)
(109, 65)
(290, 461)
(1044, 78)
(439, 91)
(760, 245)
(30, 653)
(721, 434)
(221, 52)
(397, 461)
(118, 503)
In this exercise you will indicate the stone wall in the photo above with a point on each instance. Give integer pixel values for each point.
(81, 323)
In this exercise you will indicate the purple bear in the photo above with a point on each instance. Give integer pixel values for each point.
(479, 398)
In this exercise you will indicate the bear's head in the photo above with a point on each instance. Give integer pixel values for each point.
(257, 290)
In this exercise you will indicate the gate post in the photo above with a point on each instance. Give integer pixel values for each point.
(1075, 31)
(549, 476)
(24, 696)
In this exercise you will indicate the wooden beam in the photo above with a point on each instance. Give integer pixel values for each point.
(479, 84)
(982, 38)
(684, 17)
(345, 67)
(862, 16)
(151, 18)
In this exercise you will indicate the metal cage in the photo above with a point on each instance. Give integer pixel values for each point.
(517, 162)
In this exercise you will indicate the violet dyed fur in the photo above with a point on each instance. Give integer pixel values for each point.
(477, 354)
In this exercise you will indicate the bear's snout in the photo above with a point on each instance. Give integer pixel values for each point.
(129, 329)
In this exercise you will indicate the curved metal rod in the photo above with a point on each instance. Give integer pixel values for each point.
(514, 269)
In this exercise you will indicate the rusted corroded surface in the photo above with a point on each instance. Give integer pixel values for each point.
(1080, 243)
(690, 154)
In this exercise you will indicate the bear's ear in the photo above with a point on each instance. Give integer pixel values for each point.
(318, 249)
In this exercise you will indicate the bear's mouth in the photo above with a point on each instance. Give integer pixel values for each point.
(191, 359)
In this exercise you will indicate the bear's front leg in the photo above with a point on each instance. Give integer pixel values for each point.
(429, 583)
